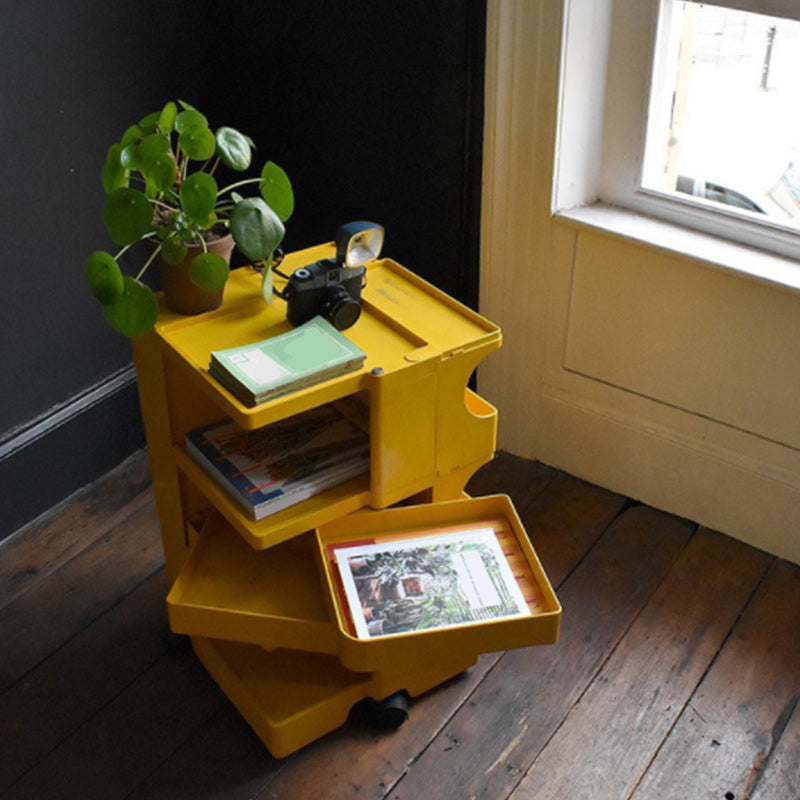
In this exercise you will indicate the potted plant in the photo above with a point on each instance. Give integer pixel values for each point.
(161, 187)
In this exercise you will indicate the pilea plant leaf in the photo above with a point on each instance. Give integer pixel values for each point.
(130, 156)
(184, 227)
(173, 250)
(233, 148)
(153, 145)
(166, 122)
(276, 189)
(128, 215)
(163, 172)
(190, 118)
(210, 221)
(256, 229)
(154, 160)
(133, 134)
(105, 277)
(197, 142)
(198, 196)
(114, 175)
(148, 124)
(209, 271)
(135, 311)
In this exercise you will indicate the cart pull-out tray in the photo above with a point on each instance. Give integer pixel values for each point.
(425, 540)
(292, 595)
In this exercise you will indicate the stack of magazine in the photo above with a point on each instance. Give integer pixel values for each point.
(274, 467)
(309, 354)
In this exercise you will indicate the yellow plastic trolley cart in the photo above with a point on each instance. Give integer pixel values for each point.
(259, 598)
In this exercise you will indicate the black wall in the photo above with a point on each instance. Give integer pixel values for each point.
(373, 107)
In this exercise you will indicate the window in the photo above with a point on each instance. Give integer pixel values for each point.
(684, 111)
(724, 121)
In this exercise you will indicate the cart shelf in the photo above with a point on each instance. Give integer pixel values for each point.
(273, 598)
(404, 321)
(276, 528)
(291, 698)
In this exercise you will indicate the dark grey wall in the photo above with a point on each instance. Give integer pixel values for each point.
(373, 107)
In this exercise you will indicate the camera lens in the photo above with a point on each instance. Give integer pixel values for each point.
(339, 308)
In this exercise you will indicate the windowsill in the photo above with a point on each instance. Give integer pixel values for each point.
(675, 239)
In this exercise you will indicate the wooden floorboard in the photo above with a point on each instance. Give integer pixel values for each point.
(728, 730)
(66, 690)
(649, 678)
(52, 611)
(781, 776)
(46, 544)
(676, 675)
(492, 741)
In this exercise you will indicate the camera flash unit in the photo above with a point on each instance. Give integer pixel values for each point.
(358, 243)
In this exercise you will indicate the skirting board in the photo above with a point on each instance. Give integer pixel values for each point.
(70, 446)
(747, 504)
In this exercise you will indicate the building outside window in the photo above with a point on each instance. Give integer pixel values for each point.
(724, 122)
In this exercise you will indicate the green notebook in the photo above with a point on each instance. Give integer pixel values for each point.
(309, 354)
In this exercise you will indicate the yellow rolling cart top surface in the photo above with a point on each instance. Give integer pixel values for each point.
(404, 322)
(260, 598)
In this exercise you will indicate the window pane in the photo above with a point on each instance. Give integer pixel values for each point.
(725, 111)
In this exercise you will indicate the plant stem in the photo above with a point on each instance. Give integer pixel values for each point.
(237, 185)
(122, 252)
(160, 203)
(149, 261)
(128, 246)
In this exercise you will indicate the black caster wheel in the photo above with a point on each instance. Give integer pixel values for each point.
(387, 714)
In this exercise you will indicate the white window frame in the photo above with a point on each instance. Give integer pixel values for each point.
(607, 63)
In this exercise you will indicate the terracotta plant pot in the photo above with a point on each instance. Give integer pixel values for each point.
(180, 293)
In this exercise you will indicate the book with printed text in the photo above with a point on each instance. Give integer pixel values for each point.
(309, 354)
(284, 463)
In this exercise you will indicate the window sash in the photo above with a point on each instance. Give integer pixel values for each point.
(776, 8)
(631, 53)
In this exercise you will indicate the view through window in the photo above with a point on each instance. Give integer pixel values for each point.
(725, 112)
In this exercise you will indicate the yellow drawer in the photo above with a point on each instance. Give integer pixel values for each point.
(420, 639)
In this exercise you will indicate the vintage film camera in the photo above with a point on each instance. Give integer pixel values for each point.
(332, 287)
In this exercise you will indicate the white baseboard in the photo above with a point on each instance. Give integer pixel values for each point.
(746, 501)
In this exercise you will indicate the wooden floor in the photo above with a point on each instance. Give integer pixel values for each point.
(677, 674)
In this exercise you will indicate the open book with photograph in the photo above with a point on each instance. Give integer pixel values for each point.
(427, 582)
